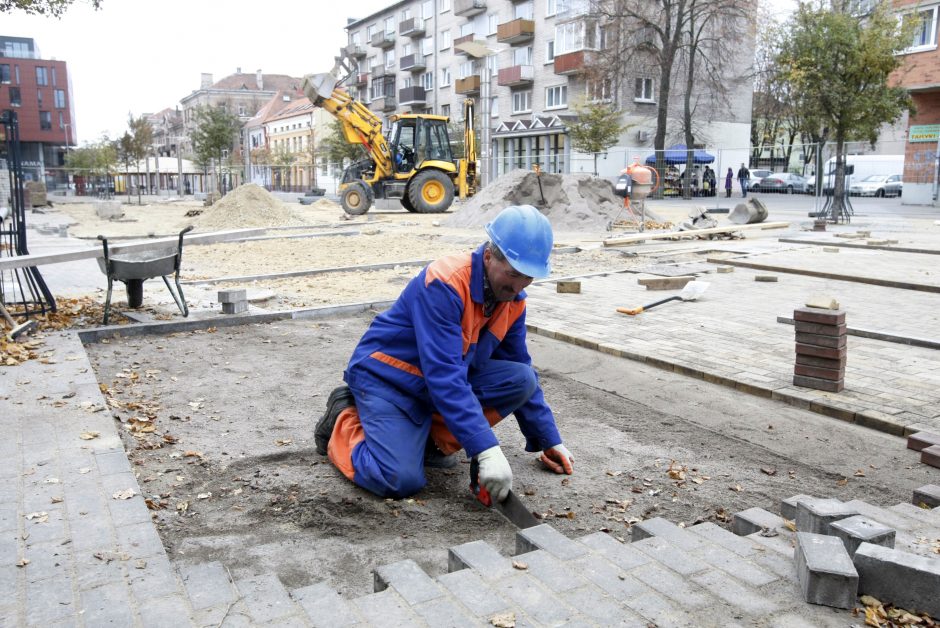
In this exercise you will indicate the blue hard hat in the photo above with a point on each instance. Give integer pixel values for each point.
(524, 235)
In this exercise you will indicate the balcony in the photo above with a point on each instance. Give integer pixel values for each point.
(572, 9)
(378, 71)
(469, 8)
(518, 31)
(516, 75)
(412, 27)
(383, 103)
(461, 40)
(468, 85)
(362, 79)
(574, 62)
(413, 63)
(410, 96)
(356, 51)
(383, 40)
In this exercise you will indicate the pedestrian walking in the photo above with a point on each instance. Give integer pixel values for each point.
(744, 175)
(729, 182)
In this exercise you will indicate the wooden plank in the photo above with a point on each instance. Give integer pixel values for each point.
(42, 259)
(639, 237)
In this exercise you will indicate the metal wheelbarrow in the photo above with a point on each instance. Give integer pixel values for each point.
(135, 268)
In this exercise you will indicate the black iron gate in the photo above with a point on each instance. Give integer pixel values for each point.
(22, 290)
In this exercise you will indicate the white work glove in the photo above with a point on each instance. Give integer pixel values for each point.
(495, 473)
(558, 459)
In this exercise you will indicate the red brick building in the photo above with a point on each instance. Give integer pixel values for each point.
(920, 74)
(40, 93)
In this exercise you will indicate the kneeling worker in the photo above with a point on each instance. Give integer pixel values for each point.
(448, 361)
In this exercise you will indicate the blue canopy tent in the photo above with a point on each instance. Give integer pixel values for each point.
(677, 154)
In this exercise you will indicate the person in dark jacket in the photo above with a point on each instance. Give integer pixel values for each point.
(744, 176)
(434, 374)
(729, 182)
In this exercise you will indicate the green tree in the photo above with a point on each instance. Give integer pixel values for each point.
(337, 149)
(51, 8)
(94, 162)
(215, 133)
(838, 66)
(597, 128)
(137, 144)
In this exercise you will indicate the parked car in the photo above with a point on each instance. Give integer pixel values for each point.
(878, 185)
(756, 176)
(784, 182)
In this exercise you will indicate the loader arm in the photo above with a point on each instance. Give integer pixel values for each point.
(467, 168)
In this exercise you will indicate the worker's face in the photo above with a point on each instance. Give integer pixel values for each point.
(506, 281)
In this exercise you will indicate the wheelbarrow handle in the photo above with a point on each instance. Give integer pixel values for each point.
(104, 243)
(182, 233)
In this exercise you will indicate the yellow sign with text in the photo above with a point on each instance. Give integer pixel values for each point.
(924, 133)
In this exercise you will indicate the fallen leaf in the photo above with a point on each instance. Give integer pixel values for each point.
(768, 470)
(89, 435)
(56, 500)
(504, 620)
(192, 454)
(843, 482)
(25, 561)
(859, 474)
(736, 488)
(140, 564)
(154, 505)
(182, 507)
(40, 517)
(203, 495)
(281, 442)
(169, 438)
(697, 480)
(791, 525)
(518, 564)
(84, 470)
(676, 471)
(125, 494)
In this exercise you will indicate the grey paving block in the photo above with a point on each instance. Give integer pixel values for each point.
(929, 495)
(324, 606)
(164, 612)
(856, 530)
(660, 611)
(923, 516)
(98, 568)
(601, 608)
(91, 532)
(128, 511)
(788, 506)
(672, 586)
(549, 539)
(235, 308)
(207, 585)
(111, 462)
(903, 579)
(825, 571)
(607, 576)
(814, 516)
(409, 580)
(662, 528)
(233, 295)
(107, 605)
(386, 608)
(444, 613)
(777, 563)
(536, 601)
(550, 571)
(50, 600)
(664, 552)
(734, 565)
(620, 554)
(884, 516)
(139, 539)
(265, 597)
(754, 520)
(481, 557)
(735, 594)
(152, 576)
(728, 540)
(471, 590)
(46, 560)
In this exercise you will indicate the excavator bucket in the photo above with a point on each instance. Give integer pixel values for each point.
(319, 85)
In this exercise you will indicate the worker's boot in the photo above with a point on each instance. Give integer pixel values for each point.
(436, 459)
(340, 399)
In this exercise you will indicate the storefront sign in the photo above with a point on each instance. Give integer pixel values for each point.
(924, 133)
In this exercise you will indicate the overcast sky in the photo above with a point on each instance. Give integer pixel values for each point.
(140, 57)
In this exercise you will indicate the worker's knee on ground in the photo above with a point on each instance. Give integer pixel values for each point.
(406, 484)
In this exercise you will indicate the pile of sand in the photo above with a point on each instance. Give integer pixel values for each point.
(247, 205)
(571, 202)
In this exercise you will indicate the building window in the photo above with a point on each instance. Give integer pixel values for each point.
(522, 56)
(556, 97)
(427, 9)
(407, 49)
(494, 107)
(356, 38)
(523, 10)
(4, 72)
(45, 120)
(17, 49)
(390, 26)
(444, 5)
(62, 122)
(549, 51)
(465, 69)
(492, 63)
(445, 77)
(370, 31)
(427, 80)
(466, 29)
(59, 96)
(39, 98)
(427, 46)
(445, 110)
(445, 39)
(644, 90)
(522, 102)
(551, 7)
(492, 22)
(925, 29)
(390, 59)
(599, 90)
(242, 111)
(53, 77)
(406, 14)
(42, 77)
(15, 100)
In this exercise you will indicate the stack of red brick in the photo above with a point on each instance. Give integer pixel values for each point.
(820, 349)
(928, 444)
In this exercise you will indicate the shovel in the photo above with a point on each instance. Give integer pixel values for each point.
(690, 292)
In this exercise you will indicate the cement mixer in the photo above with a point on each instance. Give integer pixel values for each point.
(635, 184)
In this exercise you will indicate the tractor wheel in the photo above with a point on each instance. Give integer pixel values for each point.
(406, 203)
(431, 192)
(356, 199)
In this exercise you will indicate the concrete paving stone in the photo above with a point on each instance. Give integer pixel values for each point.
(672, 586)
(735, 594)
(929, 494)
(112, 462)
(754, 520)
(664, 552)
(854, 531)
(265, 597)
(660, 611)
(46, 560)
(550, 571)
(108, 604)
(825, 570)
(49, 600)
(620, 554)
(386, 608)
(471, 590)
(92, 572)
(915, 513)
(901, 578)
(207, 585)
(791, 620)
(602, 609)
(128, 511)
(890, 518)
(734, 565)
(816, 515)
(444, 613)
(481, 557)
(164, 612)
(152, 576)
(780, 564)
(54, 529)
(549, 539)
(324, 606)
(139, 539)
(608, 577)
(233, 615)
(729, 540)
(409, 580)
(90, 532)
(661, 528)
(537, 602)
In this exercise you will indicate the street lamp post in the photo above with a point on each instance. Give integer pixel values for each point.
(68, 142)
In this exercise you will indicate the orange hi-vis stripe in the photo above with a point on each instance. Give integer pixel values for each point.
(399, 364)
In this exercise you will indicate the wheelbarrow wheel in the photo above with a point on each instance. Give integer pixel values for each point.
(135, 292)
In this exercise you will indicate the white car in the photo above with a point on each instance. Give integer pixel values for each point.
(756, 176)
(878, 185)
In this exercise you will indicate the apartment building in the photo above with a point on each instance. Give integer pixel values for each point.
(40, 93)
(528, 68)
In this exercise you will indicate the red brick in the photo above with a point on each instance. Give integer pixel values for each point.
(835, 342)
(823, 363)
(823, 330)
(931, 456)
(816, 315)
(813, 371)
(833, 353)
(921, 440)
(818, 384)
